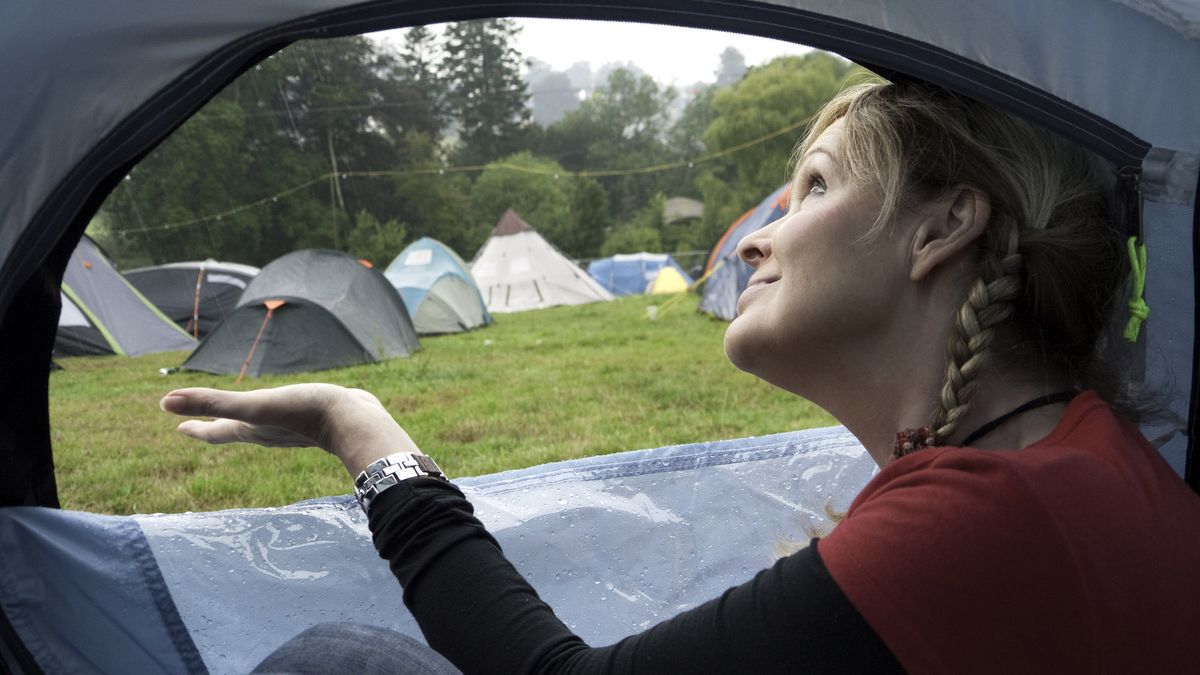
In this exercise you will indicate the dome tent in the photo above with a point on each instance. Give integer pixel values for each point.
(103, 314)
(517, 270)
(437, 289)
(309, 310)
(637, 273)
(669, 280)
(725, 274)
(195, 295)
(1118, 87)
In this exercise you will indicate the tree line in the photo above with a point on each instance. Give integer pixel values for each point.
(350, 145)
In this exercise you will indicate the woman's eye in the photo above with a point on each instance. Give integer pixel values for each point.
(816, 186)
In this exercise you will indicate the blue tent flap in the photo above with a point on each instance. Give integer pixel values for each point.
(632, 273)
(727, 274)
(614, 543)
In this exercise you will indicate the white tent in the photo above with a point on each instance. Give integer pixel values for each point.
(518, 270)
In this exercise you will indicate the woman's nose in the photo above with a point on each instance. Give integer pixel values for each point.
(755, 247)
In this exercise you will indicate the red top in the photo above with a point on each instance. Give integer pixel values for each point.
(1080, 553)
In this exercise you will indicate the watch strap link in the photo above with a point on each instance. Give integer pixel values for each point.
(390, 471)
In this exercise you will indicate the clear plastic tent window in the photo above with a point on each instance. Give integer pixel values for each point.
(614, 543)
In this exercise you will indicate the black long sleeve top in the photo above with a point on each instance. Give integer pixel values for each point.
(481, 614)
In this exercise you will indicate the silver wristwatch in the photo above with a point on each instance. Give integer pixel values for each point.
(389, 472)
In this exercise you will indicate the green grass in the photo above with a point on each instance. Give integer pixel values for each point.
(534, 387)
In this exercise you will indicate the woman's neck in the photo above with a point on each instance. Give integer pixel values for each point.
(906, 396)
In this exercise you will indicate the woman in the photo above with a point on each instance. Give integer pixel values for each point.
(941, 284)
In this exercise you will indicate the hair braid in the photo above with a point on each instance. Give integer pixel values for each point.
(988, 303)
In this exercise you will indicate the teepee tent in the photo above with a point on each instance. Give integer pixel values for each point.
(103, 314)
(309, 310)
(195, 295)
(437, 289)
(517, 270)
(637, 273)
(725, 274)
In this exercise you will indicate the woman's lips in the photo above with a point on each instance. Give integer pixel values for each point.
(761, 282)
(754, 284)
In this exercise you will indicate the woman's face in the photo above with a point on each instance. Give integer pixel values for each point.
(819, 295)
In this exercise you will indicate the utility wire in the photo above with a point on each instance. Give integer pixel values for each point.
(602, 173)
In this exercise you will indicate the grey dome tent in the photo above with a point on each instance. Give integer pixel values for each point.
(195, 295)
(309, 310)
(110, 81)
(103, 314)
(439, 292)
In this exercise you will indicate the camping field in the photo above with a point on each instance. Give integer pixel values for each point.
(534, 387)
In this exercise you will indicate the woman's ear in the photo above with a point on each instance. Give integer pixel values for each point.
(951, 224)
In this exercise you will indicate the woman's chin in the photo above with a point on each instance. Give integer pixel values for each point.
(738, 347)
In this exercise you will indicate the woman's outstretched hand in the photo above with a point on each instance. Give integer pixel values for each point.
(349, 423)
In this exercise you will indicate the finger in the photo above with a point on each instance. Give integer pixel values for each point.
(233, 431)
(292, 406)
(213, 431)
(200, 401)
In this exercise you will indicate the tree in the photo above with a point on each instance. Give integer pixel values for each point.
(590, 217)
(686, 136)
(785, 92)
(439, 206)
(622, 125)
(534, 187)
(417, 63)
(732, 68)
(551, 94)
(631, 239)
(316, 112)
(374, 241)
(486, 94)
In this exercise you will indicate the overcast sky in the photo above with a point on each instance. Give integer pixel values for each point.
(672, 55)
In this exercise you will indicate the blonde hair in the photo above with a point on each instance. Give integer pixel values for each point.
(1051, 262)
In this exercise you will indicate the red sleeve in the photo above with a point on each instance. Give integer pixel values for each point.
(958, 567)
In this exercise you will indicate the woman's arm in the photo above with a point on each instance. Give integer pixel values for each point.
(480, 613)
(476, 609)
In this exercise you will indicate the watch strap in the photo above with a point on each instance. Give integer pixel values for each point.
(388, 472)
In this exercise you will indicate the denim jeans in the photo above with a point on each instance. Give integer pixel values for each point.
(354, 648)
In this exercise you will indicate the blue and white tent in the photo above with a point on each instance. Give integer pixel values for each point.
(726, 274)
(632, 273)
(437, 288)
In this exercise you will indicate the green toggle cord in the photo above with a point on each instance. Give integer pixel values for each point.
(1138, 310)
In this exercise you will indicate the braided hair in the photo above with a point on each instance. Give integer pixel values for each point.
(1050, 264)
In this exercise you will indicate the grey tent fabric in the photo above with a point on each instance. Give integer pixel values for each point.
(614, 543)
(105, 315)
(309, 310)
(195, 295)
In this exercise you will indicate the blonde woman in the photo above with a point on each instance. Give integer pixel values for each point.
(941, 285)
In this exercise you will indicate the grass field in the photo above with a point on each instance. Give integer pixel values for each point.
(534, 387)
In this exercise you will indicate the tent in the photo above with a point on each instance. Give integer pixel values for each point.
(221, 590)
(637, 273)
(517, 270)
(726, 275)
(103, 314)
(309, 310)
(668, 281)
(113, 80)
(195, 295)
(437, 289)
